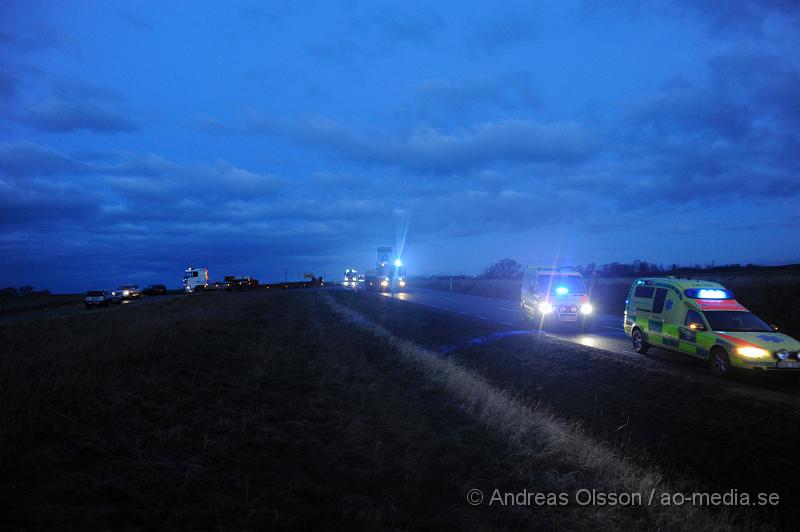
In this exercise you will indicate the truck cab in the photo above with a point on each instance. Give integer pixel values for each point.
(555, 295)
(195, 279)
(389, 275)
(350, 277)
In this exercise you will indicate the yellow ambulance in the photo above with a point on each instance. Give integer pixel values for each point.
(702, 319)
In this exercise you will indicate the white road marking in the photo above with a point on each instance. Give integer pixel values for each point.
(509, 309)
(464, 313)
(505, 323)
(612, 328)
(483, 317)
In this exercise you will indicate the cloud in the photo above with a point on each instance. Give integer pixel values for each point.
(31, 160)
(8, 86)
(148, 182)
(430, 150)
(344, 51)
(135, 20)
(743, 17)
(210, 125)
(32, 41)
(505, 32)
(696, 109)
(254, 18)
(374, 35)
(731, 133)
(448, 102)
(511, 91)
(54, 115)
(395, 28)
(24, 203)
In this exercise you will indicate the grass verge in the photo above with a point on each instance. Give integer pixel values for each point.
(536, 432)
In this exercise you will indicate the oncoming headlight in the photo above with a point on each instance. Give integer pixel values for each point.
(545, 307)
(126, 292)
(587, 308)
(384, 283)
(752, 352)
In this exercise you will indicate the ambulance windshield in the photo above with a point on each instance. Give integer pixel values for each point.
(562, 284)
(735, 321)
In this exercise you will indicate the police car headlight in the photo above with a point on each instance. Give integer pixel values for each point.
(545, 308)
(587, 308)
(783, 354)
(752, 352)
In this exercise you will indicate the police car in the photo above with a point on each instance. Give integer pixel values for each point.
(702, 319)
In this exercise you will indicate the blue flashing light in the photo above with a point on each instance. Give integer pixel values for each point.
(711, 294)
(562, 290)
(708, 293)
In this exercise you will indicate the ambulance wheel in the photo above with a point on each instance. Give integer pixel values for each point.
(639, 343)
(719, 363)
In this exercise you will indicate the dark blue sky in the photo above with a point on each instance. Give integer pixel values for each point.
(138, 139)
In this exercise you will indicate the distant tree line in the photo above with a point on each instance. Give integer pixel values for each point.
(503, 269)
(22, 291)
(511, 269)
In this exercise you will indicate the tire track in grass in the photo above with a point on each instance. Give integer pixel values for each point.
(535, 430)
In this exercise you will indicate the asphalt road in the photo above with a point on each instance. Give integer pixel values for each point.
(606, 331)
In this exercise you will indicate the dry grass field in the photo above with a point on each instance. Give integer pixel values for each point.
(332, 410)
(14, 305)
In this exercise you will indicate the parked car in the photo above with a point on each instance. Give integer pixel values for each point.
(703, 319)
(97, 298)
(155, 290)
(128, 291)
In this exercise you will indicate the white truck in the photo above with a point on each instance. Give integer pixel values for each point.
(389, 275)
(195, 279)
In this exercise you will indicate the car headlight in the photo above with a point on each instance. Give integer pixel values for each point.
(384, 283)
(545, 307)
(752, 352)
(587, 308)
(126, 292)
